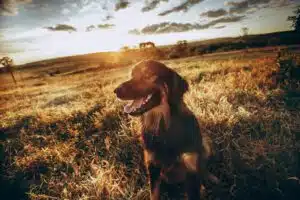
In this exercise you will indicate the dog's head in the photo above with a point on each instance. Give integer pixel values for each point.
(152, 83)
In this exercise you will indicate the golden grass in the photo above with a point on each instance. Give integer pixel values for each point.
(66, 137)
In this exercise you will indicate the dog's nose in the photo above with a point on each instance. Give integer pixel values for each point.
(116, 90)
(120, 90)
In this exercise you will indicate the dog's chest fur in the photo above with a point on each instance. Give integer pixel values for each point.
(167, 137)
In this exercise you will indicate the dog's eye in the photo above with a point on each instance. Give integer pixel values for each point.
(152, 78)
(148, 76)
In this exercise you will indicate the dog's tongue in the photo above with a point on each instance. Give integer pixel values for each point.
(133, 106)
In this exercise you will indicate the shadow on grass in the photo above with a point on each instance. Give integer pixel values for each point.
(12, 187)
(289, 97)
(15, 188)
(257, 157)
(253, 162)
(89, 143)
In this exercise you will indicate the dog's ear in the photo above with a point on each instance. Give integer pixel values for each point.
(179, 86)
(164, 92)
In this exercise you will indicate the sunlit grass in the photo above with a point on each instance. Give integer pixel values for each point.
(69, 139)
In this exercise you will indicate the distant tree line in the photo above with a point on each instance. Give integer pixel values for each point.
(295, 20)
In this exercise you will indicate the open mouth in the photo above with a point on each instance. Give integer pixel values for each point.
(138, 106)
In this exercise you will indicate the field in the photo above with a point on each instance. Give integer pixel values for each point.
(64, 136)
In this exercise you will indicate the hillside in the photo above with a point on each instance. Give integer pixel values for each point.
(194, 48)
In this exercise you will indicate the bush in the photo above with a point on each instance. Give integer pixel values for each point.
(288, 70)
(173, 55)
(274, 41)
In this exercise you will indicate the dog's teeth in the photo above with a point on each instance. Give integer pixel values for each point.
(148, 97)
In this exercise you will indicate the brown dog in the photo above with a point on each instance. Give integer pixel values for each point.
(174, 150)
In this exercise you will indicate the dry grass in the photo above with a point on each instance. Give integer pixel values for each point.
(66, 137)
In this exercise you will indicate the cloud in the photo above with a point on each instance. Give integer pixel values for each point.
(99, 26)
(62, 27)
(151, 5)
(214, 13)
(87, 6)
(10, 7)
(90, 28)
(220, 27)
(65, 11)
(244, 6)
(185, 6)
(106, 26)
(74, 5)
(108, 17)
(121, 4)
(282, 3)
(230, 19)
(168, 27)
(134, 32)
(238, 7)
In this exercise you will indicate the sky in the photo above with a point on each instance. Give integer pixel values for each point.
(32, 30)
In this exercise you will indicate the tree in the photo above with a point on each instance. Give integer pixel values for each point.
(8, 63)
(125, 48)
(245, 31)
(295, 20)
(182, 45)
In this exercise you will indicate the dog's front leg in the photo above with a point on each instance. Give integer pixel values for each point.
(154, 176)
(193, 183)
(154, 170)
